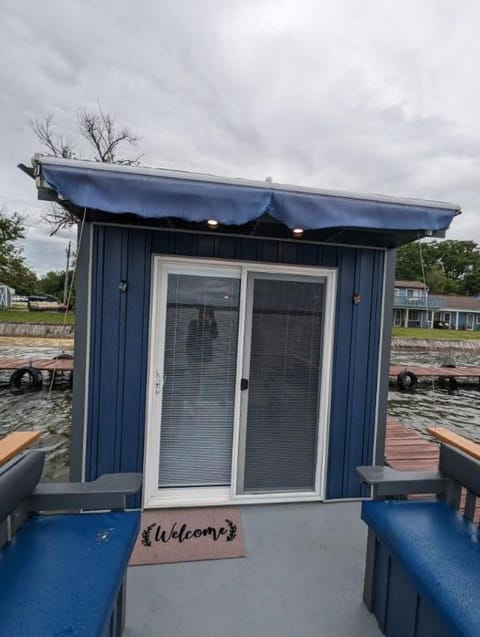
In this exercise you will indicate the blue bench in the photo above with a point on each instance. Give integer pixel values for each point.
(63, 573)
(422, 575)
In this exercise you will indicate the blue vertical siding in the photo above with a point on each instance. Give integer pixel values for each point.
(118, 350)
(119, 341)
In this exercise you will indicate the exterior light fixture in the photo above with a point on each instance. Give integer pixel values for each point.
(298, 232)
(212, 223)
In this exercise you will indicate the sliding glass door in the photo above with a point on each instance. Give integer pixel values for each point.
(239, 393)
(284, 326)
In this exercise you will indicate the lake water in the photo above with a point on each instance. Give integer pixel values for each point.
(430, 404)
(49, 410)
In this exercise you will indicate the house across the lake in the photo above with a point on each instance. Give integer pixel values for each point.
(232, 343)
(414, 306)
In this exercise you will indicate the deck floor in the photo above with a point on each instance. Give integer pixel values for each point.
(407, 450)
(302, 577)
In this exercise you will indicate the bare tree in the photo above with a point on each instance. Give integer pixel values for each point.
(58, 218)
(105, 137)
(58, 145)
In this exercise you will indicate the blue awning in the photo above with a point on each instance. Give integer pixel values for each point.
(155, 195)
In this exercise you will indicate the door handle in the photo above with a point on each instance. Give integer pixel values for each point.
(244, 384)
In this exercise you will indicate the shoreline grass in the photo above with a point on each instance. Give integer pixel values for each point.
(39, 318)
(59, 318)
(435, 335)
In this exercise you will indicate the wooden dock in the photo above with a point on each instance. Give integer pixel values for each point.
(42, 364)
(407, 450)
(27, 373)
(436, 372)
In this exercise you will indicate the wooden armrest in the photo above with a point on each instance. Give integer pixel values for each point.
(15, 442)
(106, 492)
(446, 436)
(387, 481)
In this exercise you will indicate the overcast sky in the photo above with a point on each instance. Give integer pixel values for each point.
(371, 95)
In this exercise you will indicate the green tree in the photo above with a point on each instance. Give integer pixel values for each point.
(471, 283)
(409, 263)
(456, 258)
(13, 271)
(21, 278)
(460, 262)
(439, 283)
(11, 228)
(54, 283)
(449, 267)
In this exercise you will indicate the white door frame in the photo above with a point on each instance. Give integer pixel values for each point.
(203, 496)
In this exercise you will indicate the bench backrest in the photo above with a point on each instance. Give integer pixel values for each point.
(18, 479)
(463, 473)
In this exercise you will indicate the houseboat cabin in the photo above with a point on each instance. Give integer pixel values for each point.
(232, 343)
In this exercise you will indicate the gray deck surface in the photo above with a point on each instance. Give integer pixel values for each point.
(302, 577)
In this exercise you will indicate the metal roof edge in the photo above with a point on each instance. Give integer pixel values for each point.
(232, 181)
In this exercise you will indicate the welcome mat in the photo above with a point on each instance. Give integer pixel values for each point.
(186, 535)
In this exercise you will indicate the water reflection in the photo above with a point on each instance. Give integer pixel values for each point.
(425, 407)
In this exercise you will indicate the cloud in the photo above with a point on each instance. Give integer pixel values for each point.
(45, 253)
(374, 97)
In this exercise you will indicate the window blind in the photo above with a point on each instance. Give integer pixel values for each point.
(283, 399)
(199, 380)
